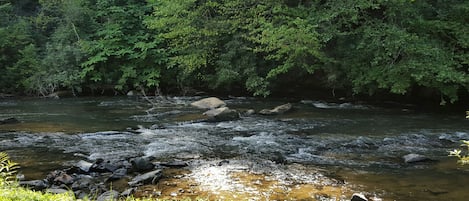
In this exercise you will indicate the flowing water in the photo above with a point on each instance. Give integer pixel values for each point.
(319, 151)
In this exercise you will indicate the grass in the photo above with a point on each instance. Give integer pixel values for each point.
(11, 191)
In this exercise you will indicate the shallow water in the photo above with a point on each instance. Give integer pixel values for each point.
(358, 146)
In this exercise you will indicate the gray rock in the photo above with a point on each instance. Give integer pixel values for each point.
(414, 158)
(118, 174)
(277, 110)
(35, 184)
(209, 103)
(84, 166)
(148, 178)
(82, 183)
(221, 114)
(101, 166)
(108, 196)
(64, 178)
(358, 197)
(142, 164)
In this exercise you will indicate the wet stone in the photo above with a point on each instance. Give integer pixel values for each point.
(277, 110)
(415, 158)
(142, 164)
(84, 166)
(221, 114)
(118, 174)
(63, 178)
(101, 166)
(148, 178)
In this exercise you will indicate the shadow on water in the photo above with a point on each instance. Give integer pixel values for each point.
(357, 147)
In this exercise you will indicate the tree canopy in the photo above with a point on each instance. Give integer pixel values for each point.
(235, 46)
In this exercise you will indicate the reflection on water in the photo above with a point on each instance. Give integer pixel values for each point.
(358, 146)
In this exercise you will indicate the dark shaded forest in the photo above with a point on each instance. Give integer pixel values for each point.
(398, 48)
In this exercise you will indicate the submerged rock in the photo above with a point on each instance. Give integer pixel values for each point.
(9, 121)
(221, 114)
(277, 110)
(209, 103)
(414, 158)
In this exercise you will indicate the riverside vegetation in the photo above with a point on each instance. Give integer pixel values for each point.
(364, 47)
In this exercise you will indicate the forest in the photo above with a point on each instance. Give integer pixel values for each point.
(405, 48)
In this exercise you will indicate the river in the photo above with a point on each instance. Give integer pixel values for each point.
(318, 151)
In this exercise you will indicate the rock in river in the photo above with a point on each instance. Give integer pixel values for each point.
(221, 114)
(414, 158)
(9, 121)
(277, 110)
(141, 164)
(209, 103)
(147, 178)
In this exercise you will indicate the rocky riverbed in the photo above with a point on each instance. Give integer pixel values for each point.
(299, 150)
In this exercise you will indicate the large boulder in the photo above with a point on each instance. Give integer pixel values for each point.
(277, 110)
(209, 103)
(221, 114)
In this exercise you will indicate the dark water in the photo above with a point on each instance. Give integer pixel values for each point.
(361, 145)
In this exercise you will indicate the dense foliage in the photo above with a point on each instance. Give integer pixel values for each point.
(260, 47)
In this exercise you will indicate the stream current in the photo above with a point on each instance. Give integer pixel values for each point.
(355, 148)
